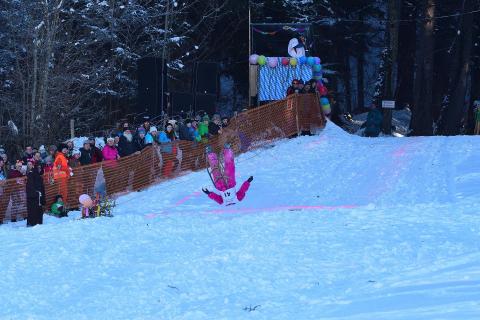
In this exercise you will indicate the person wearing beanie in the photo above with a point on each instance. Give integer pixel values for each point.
(153, 134)
(86, 153)
(96, 152)
(139, 140)
(110, 151)
(169, 148)
(74, 161)
(186, 131)
(58, 207)
(61, 171)
(203, 128)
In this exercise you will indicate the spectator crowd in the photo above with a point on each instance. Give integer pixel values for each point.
(123, 142)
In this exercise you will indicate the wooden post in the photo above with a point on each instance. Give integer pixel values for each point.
(296, 114)
(72, 128)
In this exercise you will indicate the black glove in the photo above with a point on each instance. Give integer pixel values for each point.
(250, 179)
(205, 190)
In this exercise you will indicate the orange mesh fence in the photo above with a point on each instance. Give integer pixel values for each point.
(246, 131)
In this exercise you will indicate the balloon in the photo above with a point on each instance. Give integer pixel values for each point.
(253, 59)
(285, 61)
(85, 200)
(326, 109)
(317, 68)
(272, 62)
(317, 60)
(318, 73)
(322, 89)
(302, 60)
(262, 60)
(311, 61)
(293, 62)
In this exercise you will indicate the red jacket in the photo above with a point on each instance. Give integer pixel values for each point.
(240, 193)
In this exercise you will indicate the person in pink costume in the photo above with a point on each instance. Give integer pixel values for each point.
(110, 151)
(225, 182)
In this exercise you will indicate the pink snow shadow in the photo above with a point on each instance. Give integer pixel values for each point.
(255, 210)
(322, 140)
(185, 199)
(280, 208)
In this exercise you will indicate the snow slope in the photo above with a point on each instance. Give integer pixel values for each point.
(335, 226)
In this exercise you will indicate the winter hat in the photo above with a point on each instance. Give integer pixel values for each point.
(153, 129)
(42, 148)
(62, 146)
(172, 122)
(206, 118)
(85, 142)
(111, 139)
(76, 151)
(141, 130)
(476, 103)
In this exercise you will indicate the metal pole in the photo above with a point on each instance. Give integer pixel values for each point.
(72, 128)
(249, 54)
(164, 53)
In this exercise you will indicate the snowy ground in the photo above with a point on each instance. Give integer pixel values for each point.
(335, 226)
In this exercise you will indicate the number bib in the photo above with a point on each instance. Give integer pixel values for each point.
(229, 196)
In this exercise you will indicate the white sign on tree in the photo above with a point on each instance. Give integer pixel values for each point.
(388, 104)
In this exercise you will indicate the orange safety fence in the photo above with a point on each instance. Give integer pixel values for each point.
(246, 131)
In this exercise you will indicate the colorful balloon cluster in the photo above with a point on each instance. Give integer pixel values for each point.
(325, 103)
(273, 62)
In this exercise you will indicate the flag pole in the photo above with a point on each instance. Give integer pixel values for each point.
(249, 54)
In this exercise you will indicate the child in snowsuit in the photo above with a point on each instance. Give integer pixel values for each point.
(58, 208)
(225, 181)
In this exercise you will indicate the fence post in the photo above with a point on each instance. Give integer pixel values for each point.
(72, 128)
(296, 114)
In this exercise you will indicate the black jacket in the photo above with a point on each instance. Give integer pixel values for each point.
(185, 133)
(86, 156)
(35, 186)
(213, 128)
(139, 143)
(125, 147)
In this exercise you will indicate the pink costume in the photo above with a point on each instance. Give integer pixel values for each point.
(226, 182)
(109, 153)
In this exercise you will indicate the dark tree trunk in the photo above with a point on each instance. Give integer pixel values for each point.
(422, 123)
(347, 76)
(390, 88)
(360, 56)
(406, 52)
(474, 95)
(453, 114)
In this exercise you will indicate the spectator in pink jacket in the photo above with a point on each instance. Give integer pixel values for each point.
(110, 152)
(225, 181)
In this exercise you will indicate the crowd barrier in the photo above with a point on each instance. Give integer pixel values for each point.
(246, 131)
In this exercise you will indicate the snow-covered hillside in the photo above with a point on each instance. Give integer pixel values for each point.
(335, 226)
